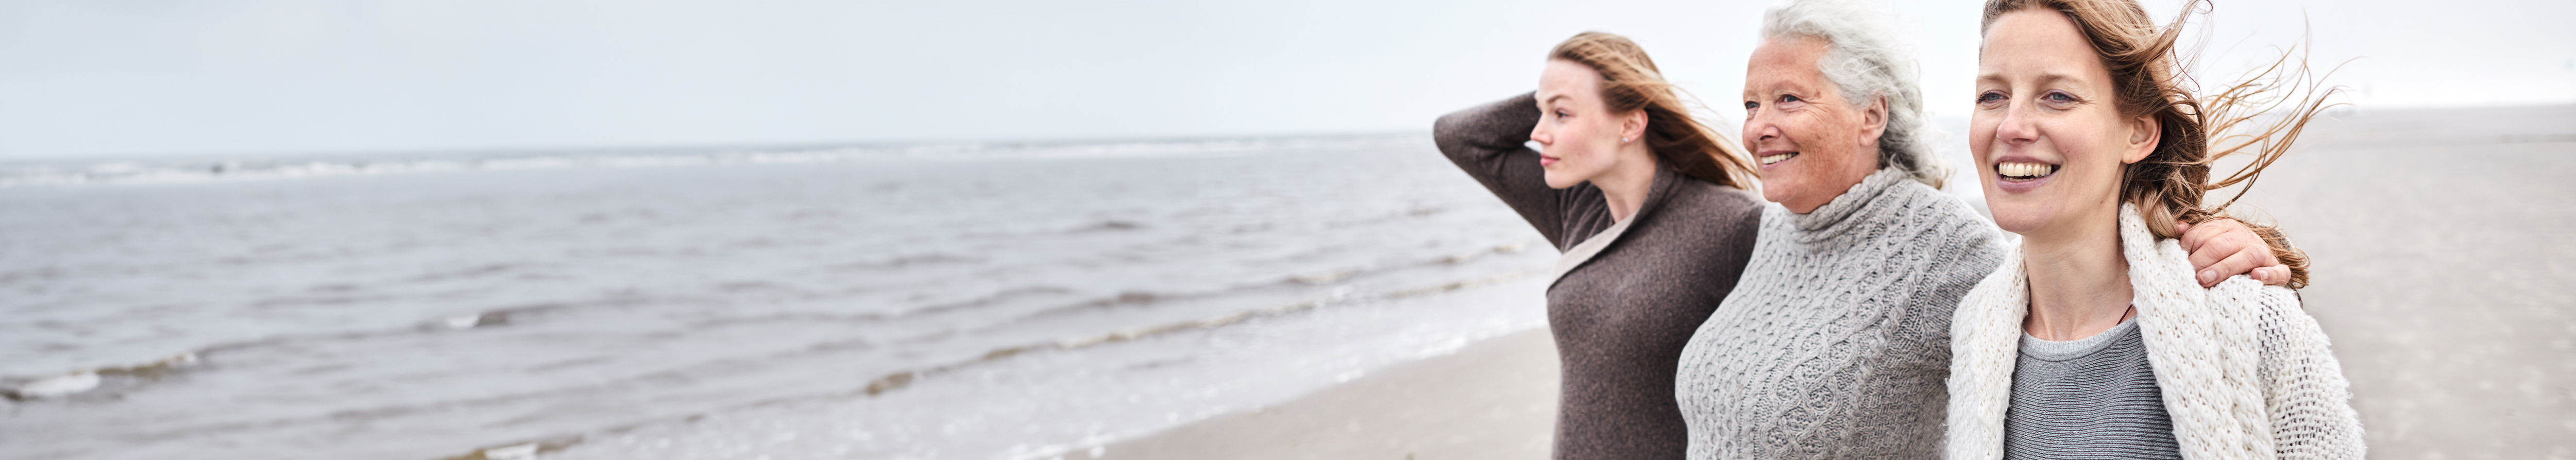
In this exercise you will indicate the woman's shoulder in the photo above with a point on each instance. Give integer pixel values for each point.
(2279, 311)
(1922, 207)
(1710, 199)
(1708, 213)
(1947, 224)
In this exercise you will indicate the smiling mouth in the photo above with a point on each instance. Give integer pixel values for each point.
(1769, 159)
(2018, 171)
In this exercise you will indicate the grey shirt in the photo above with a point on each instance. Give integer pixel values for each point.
(2094, 397)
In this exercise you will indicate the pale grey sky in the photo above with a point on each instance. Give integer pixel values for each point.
(251, 77)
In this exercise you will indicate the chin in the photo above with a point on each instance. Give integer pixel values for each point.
(1776, 192)
(1780, 186)
(1557, 180)
(2019, 225)
(2017, 216)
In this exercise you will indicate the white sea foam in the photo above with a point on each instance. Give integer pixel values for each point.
(58, 386)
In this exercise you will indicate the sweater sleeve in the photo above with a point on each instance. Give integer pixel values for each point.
(1487, 141)
(2305, 392)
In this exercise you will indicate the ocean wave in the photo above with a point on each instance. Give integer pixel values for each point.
(885, 383)
(1292, 282)
(902, 379)
(118, 380)
(114, 380)
(76, 383)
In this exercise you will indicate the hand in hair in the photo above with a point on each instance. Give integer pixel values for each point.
(2222, 248)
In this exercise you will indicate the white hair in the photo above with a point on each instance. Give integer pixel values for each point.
(1867, 57)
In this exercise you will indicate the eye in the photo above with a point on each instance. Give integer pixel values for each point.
(1750, 105)
(1785, 98)
(1990, 96)
(2059, 97)
(1561, 113)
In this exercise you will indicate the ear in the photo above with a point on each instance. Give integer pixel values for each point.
(1873, 123)
(1633, 126)
(2144, 134)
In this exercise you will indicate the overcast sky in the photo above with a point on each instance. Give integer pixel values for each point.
(252, 77)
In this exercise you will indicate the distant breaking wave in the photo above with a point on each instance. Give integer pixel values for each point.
(187, 170)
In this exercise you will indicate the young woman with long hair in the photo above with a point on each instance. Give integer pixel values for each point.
(2094, 337)
(1651, 209)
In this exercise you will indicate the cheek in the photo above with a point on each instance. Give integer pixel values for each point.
(1828, 149)
(1981, 135)
(2098, 151)
(1573, 139)
(1599, 140)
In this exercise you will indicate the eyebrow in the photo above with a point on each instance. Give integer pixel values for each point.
(1552, 99)
(1773, 90)
(2045, 78)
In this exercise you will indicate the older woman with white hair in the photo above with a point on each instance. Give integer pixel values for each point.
(1836, 340)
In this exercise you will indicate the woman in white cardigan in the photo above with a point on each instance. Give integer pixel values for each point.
(2094, 338)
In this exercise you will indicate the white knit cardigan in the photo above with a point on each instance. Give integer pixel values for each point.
(2244, 372)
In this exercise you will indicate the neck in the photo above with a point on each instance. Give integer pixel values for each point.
(1625, 186)
(2079, 283)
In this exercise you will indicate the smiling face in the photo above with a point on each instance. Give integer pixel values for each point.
(2048, 136)
(1812, 144)
(1578, 135)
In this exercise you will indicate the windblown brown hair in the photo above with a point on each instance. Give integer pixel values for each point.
(2150, 78)
(1630, 81)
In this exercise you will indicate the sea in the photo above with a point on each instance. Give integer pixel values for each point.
(962, 300)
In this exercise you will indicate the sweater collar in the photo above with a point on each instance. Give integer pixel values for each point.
(2209, 387)
(1829, 220)
(1665, 180)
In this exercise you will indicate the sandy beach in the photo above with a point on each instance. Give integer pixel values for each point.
(2441, 271)
(1493, 400)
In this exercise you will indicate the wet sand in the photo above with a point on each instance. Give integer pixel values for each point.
(2444, 272)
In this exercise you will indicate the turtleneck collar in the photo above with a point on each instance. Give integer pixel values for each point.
(1828, 220)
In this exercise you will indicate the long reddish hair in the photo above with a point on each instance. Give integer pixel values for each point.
(1630, 81)
(2149, 79)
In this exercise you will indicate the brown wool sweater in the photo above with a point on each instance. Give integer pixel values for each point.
(1622, 316)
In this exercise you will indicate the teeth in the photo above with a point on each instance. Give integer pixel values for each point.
(2024, 169)
(1769, 159)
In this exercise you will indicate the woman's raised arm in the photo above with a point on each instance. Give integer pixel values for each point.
(1489, 142)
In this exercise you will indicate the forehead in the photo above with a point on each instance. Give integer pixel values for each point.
(1568, 78)
(2038, 40)
(1785, 61)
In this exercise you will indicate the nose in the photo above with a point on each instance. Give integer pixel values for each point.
(2015, 129)
(1758, 128)
(1540, 135)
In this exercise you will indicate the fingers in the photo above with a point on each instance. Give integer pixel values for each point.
(2236, 264)
(2276, 275)
(2197, 239)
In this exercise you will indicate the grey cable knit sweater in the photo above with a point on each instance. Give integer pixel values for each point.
(1836, 341)
(1621, 315)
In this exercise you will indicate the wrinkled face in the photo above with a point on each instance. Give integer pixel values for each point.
(1812, 144)
(2048, 136)
(1577, 134)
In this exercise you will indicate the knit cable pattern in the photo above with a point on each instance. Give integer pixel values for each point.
(1835, 342)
